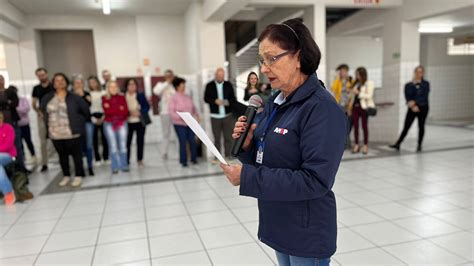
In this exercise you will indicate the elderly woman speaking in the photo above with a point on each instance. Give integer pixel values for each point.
(290, 158)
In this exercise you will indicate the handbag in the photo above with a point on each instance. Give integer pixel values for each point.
(371, 111)
(145, 119)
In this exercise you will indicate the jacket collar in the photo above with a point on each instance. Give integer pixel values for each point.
(302, 92)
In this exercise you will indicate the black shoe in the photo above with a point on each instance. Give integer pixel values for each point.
(185, 165)
(395, 146)
(418, 149)
(115, 172)
(91, 172)
(44, 168)
(194, 162)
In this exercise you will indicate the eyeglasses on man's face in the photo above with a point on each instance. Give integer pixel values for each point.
(270, 60)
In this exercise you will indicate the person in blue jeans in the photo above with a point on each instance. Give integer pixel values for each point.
(180, 102)
(291, 155)
(115, 126)
(78, 88)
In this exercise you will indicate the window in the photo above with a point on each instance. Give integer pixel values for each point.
(461, 48)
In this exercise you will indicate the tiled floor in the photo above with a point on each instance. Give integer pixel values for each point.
(412, 209)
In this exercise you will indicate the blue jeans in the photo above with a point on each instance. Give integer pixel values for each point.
(87, 146)
(186, 135)
(287, 260)
(117, 142)
(5, 184)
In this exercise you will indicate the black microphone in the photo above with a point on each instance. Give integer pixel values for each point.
(255, 103)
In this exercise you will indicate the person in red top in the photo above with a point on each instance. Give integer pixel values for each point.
(115, 126)
(7, 152)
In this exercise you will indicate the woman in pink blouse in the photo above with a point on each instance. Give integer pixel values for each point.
(180, 102)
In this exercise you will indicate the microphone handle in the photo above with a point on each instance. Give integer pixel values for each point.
(250, 114)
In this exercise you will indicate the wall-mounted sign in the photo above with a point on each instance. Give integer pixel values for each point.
(367, 2)
(146, 62)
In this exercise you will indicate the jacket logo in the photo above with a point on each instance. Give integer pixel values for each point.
(281, 131)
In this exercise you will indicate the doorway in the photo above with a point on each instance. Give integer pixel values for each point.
(69, 51)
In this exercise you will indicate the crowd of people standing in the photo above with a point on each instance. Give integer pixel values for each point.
(356, 97)
(84, 118)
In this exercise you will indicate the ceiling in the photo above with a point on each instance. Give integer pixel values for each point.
(460, 18)
(94, 7)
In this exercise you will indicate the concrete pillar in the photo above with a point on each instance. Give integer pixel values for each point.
(319, 35)
(401, 54)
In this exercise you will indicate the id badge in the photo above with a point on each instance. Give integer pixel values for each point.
(259, 159)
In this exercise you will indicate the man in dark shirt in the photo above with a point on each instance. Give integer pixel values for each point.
(39, 91)
(219, 94)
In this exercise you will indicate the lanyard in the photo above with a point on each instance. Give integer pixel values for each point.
(267, 124)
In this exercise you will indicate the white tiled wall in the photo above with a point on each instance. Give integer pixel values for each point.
(386, 126)
(452, 91)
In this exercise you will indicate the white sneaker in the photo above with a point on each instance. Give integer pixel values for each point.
(64, 181)
(77, 181)
(107, 162)
(98, 163)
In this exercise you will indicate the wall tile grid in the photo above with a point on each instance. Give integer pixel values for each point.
(452, 91)
(382, 127)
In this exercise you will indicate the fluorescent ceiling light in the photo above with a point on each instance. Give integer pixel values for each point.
(106, 7)
(435, 29)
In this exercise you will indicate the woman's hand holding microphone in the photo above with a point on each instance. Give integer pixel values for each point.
(232, 172)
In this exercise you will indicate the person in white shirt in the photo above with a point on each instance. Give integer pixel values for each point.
(97, 117)
(165, 91)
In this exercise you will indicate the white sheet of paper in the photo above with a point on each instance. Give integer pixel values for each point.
(201, 134)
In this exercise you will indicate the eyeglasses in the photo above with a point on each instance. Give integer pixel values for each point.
(271, 60)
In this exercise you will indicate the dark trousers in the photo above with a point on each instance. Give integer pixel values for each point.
(349, 128)
(20, 158)
(26, 137)
(223, 126)
(359, 114)
(140, 130)
(66, 148)
(186, 135)
(99, 130)
(409, 121)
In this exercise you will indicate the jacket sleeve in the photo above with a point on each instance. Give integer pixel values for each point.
(23, 106)
(13, 99)
(336, 92)
(321, 147)
(124, 112)
(9, 139)
(159, 87)
(409, 96)
(144, 105)
(208, 97)
(368, 93)
(107, 110)
(83, 107)
(172, 110)
(246, 95)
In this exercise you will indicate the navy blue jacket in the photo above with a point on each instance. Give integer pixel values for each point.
(417, 92)
(144, 105)
(293, 185)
